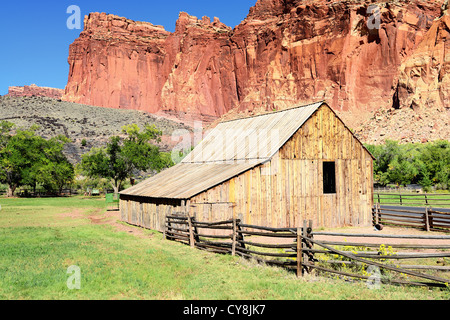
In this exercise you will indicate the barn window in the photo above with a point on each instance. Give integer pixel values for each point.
(329, 177)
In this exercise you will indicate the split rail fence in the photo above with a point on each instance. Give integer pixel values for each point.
(423, 218)
(299, 250)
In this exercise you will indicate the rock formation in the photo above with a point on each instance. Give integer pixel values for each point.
(424, 79)
(285, 52)
(35, 91)
(120, 63)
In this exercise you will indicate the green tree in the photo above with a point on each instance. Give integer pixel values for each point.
(55, 171)
(124, 157)
(17, 155)
(427, 164)
(28, 159)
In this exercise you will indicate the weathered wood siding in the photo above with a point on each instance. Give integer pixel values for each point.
(148, 213)
(285, 190)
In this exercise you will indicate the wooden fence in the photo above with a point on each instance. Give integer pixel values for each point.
(298, 249)
(427, 219)
(381, 254)
(411, 199)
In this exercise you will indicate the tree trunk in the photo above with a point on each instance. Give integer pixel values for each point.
(116, 186)
(11, 190)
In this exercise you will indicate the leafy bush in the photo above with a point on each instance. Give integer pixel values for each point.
(425, 164)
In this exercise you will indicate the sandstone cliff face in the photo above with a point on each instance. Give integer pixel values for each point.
(34, 90)
(424, 80)
(284, 52)
(314, 50)
(120, 63)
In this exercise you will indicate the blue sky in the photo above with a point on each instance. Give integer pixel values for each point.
(34, 38)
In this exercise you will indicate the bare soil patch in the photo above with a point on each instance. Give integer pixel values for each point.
(104, 217)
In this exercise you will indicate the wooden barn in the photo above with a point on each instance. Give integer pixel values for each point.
(272, 170)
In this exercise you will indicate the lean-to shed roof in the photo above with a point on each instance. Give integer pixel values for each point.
(184, 181)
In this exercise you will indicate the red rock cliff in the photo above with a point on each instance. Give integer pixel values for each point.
(424, 78)
(34, 90)
(284, 52)
(120, 63)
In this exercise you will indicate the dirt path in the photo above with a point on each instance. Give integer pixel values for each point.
(102, 217)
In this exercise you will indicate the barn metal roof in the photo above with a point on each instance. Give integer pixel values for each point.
(255, 138)
(230, 149)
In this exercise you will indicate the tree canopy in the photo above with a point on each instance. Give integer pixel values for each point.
(28, 159)
(125, 156)
(425, 164)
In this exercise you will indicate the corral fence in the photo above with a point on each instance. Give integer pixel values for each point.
(428, 219)
(411, 199)
(299, 250)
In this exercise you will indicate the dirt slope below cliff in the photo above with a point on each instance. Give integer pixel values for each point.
(94, 124)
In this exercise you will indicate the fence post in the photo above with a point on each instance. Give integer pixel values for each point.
(401, 203)
(310, 254)
(430, 217)
(427, 220)
(191, 232)
(233, 245)
(377, 213)
(299, 253)
(239, 234)
(167, 229)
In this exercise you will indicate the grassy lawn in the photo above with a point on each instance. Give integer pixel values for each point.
(41, 238)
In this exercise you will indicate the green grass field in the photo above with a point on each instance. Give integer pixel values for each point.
(41, 238)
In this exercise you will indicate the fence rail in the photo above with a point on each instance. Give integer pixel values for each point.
(298, 249)
(427, 219)
(411, 199)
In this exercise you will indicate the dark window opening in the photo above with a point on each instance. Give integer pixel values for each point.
(329, 177)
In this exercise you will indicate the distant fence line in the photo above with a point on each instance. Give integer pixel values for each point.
(298, 250)
(417, 189)
(424, 199)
